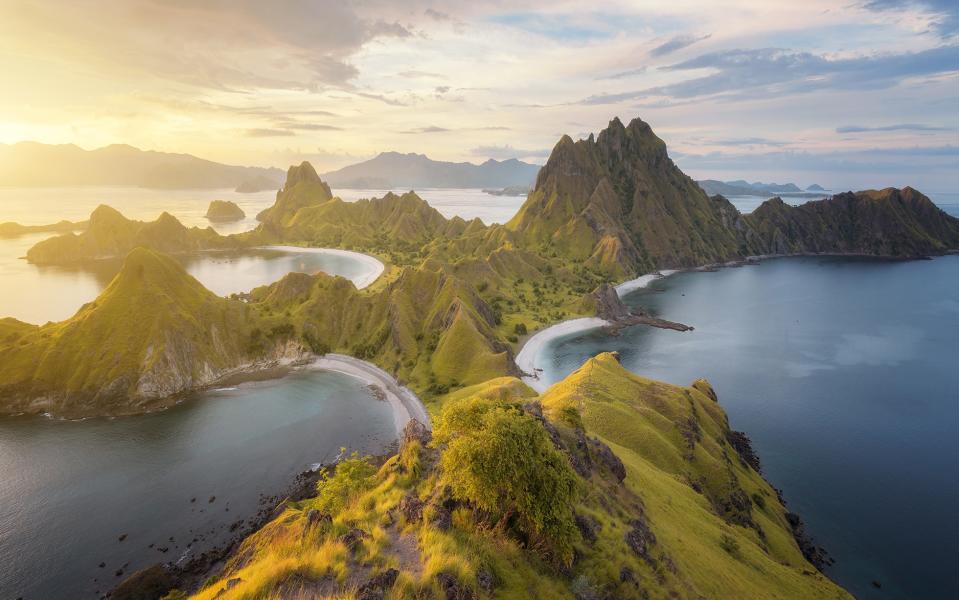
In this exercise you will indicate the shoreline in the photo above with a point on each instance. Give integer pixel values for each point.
(406, 405)
(376, 265)
(528, 357)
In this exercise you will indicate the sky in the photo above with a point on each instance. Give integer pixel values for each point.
(850, 94)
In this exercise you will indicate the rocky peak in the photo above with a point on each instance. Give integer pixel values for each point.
(302, 172)
(105, 215)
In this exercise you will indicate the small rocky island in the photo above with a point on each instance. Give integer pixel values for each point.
(224, 211)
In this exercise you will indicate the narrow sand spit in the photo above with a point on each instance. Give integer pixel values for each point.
(375, 267)
(529, 357)
(405, 404)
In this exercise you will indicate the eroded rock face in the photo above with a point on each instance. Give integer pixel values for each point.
(607, 304)
(378, 585)
(453, 589)
(416, 431)
(640, 538)
(148, 584)
(411, 507)
(744, 448)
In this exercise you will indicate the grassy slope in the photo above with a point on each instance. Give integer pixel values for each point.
(153, 332)
(109, 234)
(649, 425)
(641, 421)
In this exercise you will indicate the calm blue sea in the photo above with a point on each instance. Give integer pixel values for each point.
(843, 373)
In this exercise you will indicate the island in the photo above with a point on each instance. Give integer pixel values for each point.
(605, 484)
(224, 211)
(510, 190)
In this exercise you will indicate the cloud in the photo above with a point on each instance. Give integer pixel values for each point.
(218, 44)
(507, 151)
(414, 74)
(897, 127)
(625, 74)
(943, 14)
(677, 43)
(261, 132)
(427, 129)
(778, 72)
(437, 15)
(309, 126)
(749, 141)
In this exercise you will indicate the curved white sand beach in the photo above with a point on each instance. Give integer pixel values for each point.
(530, 355)
(405, 404)
(373, 264)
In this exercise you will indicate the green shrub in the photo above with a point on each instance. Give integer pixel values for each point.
(353, 476)
(730, 545)
(500, 460)
(520, 329)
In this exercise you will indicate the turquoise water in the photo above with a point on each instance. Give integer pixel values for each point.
(843, 373)
(71, 488)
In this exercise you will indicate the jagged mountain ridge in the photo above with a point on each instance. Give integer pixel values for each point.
(621, 205)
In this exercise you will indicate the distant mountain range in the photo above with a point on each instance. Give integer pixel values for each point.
(32, 164)
(393, 170)
(742, 187)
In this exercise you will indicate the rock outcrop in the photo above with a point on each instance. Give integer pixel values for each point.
(224, 210)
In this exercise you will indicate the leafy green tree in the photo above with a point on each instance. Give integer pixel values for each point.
(501, 460)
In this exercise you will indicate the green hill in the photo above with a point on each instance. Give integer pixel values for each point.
(153, 333)
(890, 222)
(625, 488)
(111, 235)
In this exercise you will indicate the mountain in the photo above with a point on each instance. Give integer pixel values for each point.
(744, 188)
(893, 223)
(392, 170)
(305, 211)
(154, 332)
(111, 235)
(620, 205)
(815, 188)
(31, 164)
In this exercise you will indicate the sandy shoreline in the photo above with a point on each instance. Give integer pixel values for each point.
(405, 404)
(528, 358)
(376, 267)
